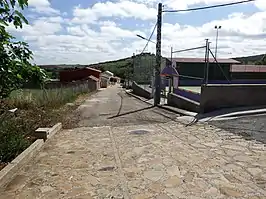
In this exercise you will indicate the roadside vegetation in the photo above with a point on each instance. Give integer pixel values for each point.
(22, 110)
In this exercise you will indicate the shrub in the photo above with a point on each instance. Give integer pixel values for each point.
(13, 140)
(36, 108)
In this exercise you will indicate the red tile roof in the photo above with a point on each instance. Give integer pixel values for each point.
(93, 69)
(202, 60)
(249, 68)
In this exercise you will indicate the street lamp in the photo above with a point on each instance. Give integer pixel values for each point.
(145, 38)
(217, 30)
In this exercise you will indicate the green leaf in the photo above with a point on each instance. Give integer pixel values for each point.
(23, 3)
(19, 76)
(21, 16)
(3, 22)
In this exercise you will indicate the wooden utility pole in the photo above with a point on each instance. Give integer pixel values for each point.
(157, 96)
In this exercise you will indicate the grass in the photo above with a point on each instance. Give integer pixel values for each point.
(36, 108)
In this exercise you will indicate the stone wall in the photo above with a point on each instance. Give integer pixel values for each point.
(182, 102)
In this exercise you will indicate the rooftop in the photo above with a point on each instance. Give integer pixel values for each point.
(202, 60)
(93, 69)
(94, 78)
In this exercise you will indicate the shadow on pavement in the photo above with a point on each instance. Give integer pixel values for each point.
(130, 112)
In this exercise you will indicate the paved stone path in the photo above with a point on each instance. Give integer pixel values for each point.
(161, 160)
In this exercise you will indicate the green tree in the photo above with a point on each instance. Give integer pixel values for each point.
(262, 61)
(15, 67)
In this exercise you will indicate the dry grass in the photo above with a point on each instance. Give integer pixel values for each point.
(36, 108)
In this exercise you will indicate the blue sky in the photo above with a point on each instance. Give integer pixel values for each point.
(82, 31)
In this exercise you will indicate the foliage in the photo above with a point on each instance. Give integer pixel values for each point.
(262, 61)
(36, 108)
(15, 56)
(250, 59)
(13, 139)
(121, 68)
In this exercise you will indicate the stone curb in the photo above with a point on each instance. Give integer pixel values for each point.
(52, 131)
(9, 172)
(178, 111)
(168, 108)
(139, 98)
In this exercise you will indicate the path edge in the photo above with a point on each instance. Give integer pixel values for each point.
(10, 171)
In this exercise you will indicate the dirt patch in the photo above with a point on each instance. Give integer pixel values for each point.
(71, 119)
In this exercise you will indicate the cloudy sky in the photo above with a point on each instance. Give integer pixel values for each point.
(89, 31)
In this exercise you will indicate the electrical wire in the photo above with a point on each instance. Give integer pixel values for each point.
(209, 7)
(149, 39)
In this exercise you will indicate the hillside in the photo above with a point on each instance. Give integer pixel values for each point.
(121, 66)
(250, 59)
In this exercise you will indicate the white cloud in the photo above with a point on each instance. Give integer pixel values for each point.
(39, 3)
(261, 4)
(38, 28)
(92, 35)
(122, 9)
(184, 4)
(42, 6)
(240, 35)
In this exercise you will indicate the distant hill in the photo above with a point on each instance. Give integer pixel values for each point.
(118, 67)
(122, 66)
(250, 59)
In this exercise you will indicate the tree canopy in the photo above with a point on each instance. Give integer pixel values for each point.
(15, 56)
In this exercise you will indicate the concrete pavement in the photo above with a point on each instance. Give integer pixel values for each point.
(250, 127)
(145, 154)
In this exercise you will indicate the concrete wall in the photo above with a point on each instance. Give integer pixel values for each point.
(214, 97)
(89, 84)
(182, 103)
(187, 94)
(140, 91)
(104, 82)
(233, 81)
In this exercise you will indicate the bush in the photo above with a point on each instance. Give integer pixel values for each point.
(36, 108)
(13, 139)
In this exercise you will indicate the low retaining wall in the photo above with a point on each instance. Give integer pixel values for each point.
(214, 97)
(187, 94)
(140, 91)
(182, 102)
(8, 173)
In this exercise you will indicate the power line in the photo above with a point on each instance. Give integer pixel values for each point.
(149, 39)
(210, 7)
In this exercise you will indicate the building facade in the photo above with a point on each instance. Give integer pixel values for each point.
(192, 71)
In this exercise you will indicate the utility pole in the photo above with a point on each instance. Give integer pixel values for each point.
(157, 96)
(171, 56)
(217, 32)
(171, 83)
(207, 60)
(134, 68)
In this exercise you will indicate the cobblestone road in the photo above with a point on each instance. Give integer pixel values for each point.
(162, 159)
